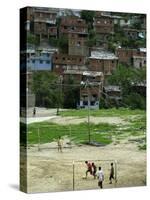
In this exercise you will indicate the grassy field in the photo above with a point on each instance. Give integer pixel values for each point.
(102, 133)
(121, 112)
(78, 133)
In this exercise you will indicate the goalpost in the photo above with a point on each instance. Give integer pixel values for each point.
(77, 179)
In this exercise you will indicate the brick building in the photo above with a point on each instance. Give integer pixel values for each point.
(71, 24)
(30, 18)
(139, 61)
(103, 61)
(45, 23)
(52, 31)
(103, 26)
(63, 62)
(132, 57)
(77, 44)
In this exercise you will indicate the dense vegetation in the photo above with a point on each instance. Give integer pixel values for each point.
(129, 79)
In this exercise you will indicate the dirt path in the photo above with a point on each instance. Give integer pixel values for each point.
(96, 120)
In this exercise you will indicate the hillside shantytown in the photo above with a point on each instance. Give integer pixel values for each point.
(82, 99)
(90, 59)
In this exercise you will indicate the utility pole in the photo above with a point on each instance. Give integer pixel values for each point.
(60, 94)
(89, 131)
(86, 85)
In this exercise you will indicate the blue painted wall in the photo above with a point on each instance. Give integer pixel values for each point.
(42, 62)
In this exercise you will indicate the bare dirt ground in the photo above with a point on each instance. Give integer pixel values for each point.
(50, 170)
(95, 120)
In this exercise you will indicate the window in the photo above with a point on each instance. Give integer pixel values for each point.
(72, 28)
(85, 103)
(94, 95)
(41, 61)
(47, 62)
(85, 95)
(92, 103)
(33, 61)
(78, 43)
(140, 65)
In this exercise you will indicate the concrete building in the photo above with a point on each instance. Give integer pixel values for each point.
(134, 33)
(125, 22)
(139, 61)
(41, 59)
(90, 84)
(42, 62)
(139, 88)
(112, 95)
(112, 92)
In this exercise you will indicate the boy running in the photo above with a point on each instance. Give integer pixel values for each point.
(89, 168)
(94, 170)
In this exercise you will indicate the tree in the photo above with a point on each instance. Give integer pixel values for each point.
(32, 39)
(46, 89)
(92, 38)
(71, 93)
(127, 78)
(88, 16)
(63, 44)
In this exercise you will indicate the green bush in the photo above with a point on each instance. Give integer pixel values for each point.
(135, 101)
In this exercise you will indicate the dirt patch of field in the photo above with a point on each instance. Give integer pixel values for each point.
(49, 170)
(95, 120)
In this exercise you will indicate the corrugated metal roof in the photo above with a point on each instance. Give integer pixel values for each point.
(84, 73)
(142, 49)
(92, 73)
(112, 88)
(105, 55)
